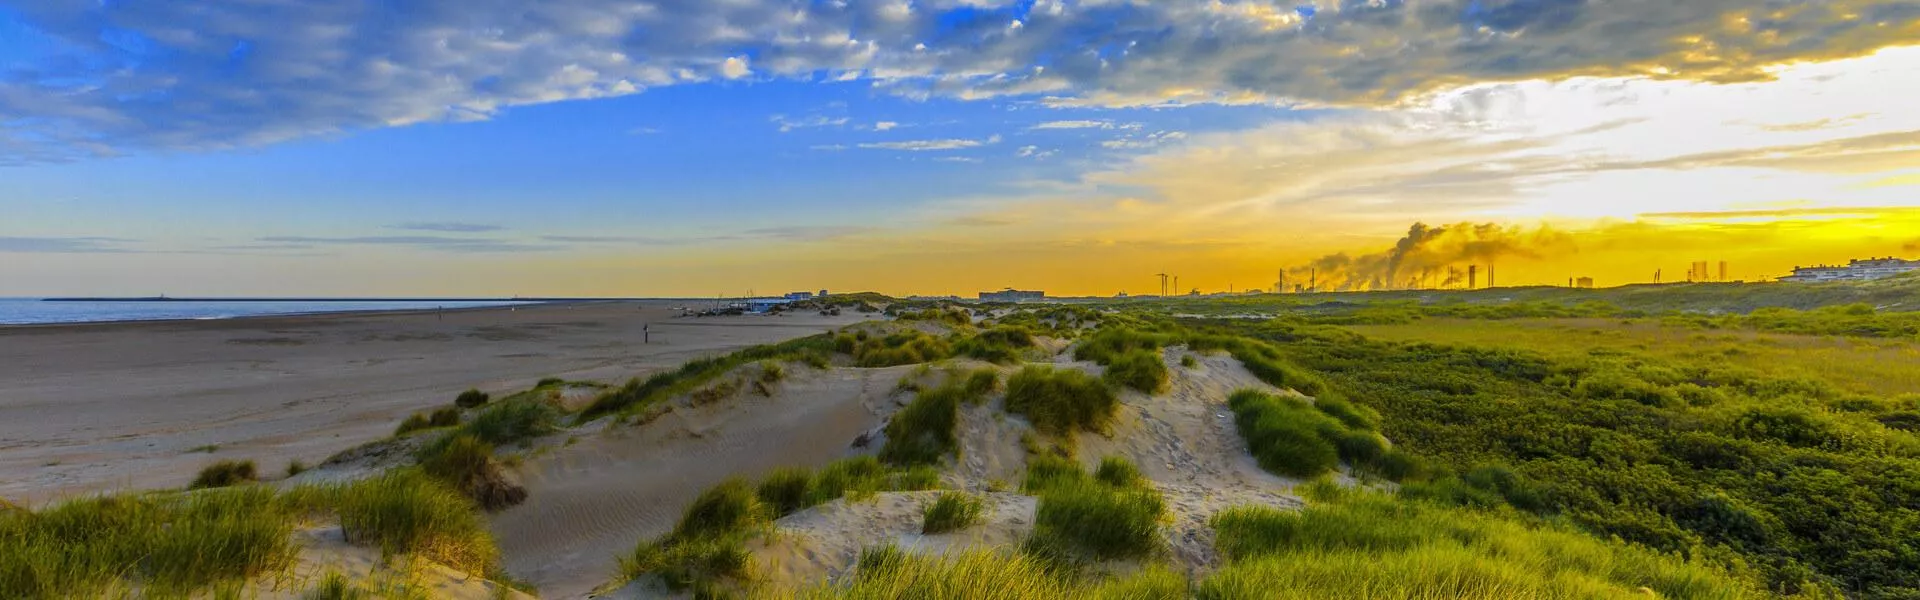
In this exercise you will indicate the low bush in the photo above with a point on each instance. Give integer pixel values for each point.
(467, 464)
(413, 422)
(1089, 520)
(1119, 472)
(1286, 435)
(923, 432)
(1138, 369)
(708, 544)
(999, 344)
(1061, 401)
(225, 473)
(513, 422)
(296, 467)
(1366, 544)
(787, 491)
(951, 511)
(444, 417)
(409, 512)
(477, 398)
(166, 545)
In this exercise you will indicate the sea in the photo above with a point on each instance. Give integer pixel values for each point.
(36, 311)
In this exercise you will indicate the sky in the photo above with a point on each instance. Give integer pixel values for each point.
(1081, 147)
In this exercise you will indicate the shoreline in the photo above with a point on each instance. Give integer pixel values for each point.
(371, 312)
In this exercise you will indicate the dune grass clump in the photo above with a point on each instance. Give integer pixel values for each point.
(335, 586)
(639, 395)
(1366, 544)
(886, 573)
(787, 491)
(998, 344)
(225, 473)
(408, 512)
(513, 422)
(1300, 438)
(445, 417)
(413, 422)
(1061, 401)
(1111, 342)
(923, 432)
(907, 347)
(951, 511)
(1085, 518)
(476, 398)
(168, 545)
(708, 545)
(468, 465)
(1139, 369)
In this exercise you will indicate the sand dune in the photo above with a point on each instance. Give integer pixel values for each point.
(599, 497)
(97, 407)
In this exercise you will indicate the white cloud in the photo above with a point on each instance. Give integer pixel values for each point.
(1074, 125)
(931, 145)
(273, 71)
(788, 124)
(735, 67)
(885, 125)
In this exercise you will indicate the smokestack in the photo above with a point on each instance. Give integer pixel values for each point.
(1473, 276)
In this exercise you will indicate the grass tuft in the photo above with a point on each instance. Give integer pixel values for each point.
(476, 398)
(468, 465)
(409, 512)
(1139, 369)
(168, 544)
(1083, 518)
(951, 511)
(1062, 401)
(225, 473)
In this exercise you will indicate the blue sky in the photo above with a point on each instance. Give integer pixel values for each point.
(442, 147)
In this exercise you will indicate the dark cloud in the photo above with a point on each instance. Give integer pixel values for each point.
(64, 245)
(449, 227)
(201, 74)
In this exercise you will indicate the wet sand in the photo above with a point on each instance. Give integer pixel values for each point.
(96, 407)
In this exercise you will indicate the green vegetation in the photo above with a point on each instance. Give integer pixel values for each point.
(709, 543)
(1769, 450)
(1364, 544)
(445, 417)
(1085, 518)
(638, 395)
(905, 347)
(1120, 473)
(1305, 438)
(335, 586)
(787, 491)
(225, 473)
(923, 432)
(296, 467)
(467, 464)
(886, 574)
(1137, 369)
(509, 422)
(951, 511)
(477, 398)
(998, 344)
(1061, 401)
(168, 544)
(1189, 361)
(408, 512)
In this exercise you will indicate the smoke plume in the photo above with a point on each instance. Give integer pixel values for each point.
(1429, 257)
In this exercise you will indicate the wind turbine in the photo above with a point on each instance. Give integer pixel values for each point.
(1163, 283)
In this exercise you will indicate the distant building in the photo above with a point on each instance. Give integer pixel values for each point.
(800, 295)
(1585, 283)
(823, 293)
(1012, 295)
(763, 305)
(1854, 270)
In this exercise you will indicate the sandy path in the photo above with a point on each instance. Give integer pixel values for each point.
(598, 498)
(96, 407)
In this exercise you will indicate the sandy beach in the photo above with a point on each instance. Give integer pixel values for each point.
(98, 407)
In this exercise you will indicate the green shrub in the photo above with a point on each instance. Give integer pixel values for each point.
(1189, 361)
(1362, 543)
(787, 491)
(1059, 402)
(951, 511)
(408, 512)
(413, 422)
(1090, 520)
(1137, 369)
(335, 586)
(889, 574)
(513, 422)
(1119, 472)
(638, 395)
(167, 544)
(999, 344)
(1286, 435)
(1047, 471)
(708, 544)
(923, 432)
(862, 476)
(296, 467)
(467, 464)
(445, 417)
(225, 473)
(476, 398)
(771, 371)
(982, 382)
